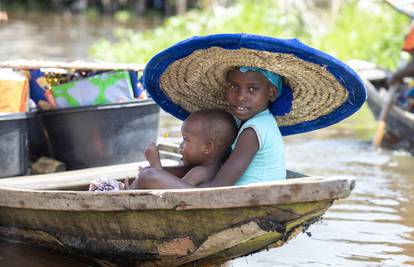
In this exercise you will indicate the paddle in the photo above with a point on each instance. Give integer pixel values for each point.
(379, 134)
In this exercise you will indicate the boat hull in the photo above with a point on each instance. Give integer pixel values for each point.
(160, 227)
(160, 237)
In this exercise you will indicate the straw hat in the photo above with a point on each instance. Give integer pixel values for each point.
(318, 90)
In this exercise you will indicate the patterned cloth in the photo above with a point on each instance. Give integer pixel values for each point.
(107, 87)
(104, 185)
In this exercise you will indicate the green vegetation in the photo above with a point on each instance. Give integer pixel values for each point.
(372, 31)
(123, 16)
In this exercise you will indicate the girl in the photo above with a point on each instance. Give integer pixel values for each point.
(258, 152)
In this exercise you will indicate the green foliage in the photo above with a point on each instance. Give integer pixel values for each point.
(265, 18)
(372, 32)
(123, 16)
(92, 13)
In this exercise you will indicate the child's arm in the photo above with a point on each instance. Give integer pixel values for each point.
(198, 175)
(151, 178)
(178, 171)
(153, 156)
(246, 148)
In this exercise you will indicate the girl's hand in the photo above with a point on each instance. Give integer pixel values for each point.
(153, 156)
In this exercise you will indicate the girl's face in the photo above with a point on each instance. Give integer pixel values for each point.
(191, 148)
(248, 93)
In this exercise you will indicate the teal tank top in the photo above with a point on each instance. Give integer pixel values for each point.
(269, 162)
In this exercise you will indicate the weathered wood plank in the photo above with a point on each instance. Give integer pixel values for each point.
(280, 192)
(70, 179)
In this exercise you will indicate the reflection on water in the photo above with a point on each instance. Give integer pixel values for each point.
(21, 255)
(373, 227)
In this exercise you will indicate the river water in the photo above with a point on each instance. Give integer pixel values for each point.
(372, 227)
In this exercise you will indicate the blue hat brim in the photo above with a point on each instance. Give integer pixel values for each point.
(343, 74)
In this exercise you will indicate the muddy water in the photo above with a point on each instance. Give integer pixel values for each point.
(373, 227)
(58, 36)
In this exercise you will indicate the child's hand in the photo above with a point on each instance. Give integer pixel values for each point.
(141, 168)
(153, 156)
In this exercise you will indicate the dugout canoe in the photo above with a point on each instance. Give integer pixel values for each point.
(400, 123)
(190, 227)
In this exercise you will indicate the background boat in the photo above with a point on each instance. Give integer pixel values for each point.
(89, 135)
(400, 123)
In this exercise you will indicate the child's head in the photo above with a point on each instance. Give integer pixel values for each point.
(207, 135)
(250, 89)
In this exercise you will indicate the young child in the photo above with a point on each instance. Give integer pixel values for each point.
(258, 152)
(207, 136)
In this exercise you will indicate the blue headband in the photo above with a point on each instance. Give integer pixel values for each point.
(273, 78)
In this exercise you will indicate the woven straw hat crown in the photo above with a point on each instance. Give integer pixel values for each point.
(192, 75)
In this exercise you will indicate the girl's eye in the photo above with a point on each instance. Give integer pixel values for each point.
(252, 89)
(232, 87)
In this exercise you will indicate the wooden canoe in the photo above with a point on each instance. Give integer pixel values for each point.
(400, 123)
(196, 227)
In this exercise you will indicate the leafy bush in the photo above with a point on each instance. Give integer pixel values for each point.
(366, 30)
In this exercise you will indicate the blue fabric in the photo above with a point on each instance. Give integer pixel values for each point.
(272, 77)
(269, 162)
(283, 103)
(37, 92)
(411, 92)
(344, 74)
(133, 75)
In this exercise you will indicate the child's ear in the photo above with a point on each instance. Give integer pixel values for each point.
(272, 93)
(208, 147)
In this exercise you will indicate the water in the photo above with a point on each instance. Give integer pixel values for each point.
(58, 36)
(373, 227)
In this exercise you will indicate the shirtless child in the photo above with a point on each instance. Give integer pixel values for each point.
(207, 137)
